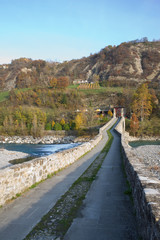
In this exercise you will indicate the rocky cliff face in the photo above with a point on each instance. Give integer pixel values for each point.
(127, 64)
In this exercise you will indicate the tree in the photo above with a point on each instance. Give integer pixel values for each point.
(34, 126)
(66, 127)
(64, 99)
(48, 126)
(53, 123)
(62, 82)
(57, 127)
(53, 82)
(79, 120)
(95, 78)
(141, 104)
(154, 100)
(110, 113)
(62, 122)
(134, 125)
(38, 101)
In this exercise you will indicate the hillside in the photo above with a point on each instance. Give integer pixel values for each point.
(125, 65)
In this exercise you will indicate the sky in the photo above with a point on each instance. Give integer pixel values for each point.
(59, 30)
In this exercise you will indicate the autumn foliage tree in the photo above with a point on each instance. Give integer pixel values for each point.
(141, 104)
(53, 82)
(62, 122)
(79, 120)
(134, 124)
(62, 82)
(110, 113)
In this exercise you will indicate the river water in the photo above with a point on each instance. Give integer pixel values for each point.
(38, 149)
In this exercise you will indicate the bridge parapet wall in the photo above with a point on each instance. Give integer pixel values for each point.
(145, 191)
(16, 179)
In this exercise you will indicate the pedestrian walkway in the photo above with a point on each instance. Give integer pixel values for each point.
(107, 213)
(19, 217)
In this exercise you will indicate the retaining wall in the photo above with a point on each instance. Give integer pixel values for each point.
(18, 178)
(145, 191)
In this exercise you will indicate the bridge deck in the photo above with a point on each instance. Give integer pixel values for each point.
(107, 213)
(19, 217)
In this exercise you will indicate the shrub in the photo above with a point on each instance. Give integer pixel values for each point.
(48, 126)
(73, 126)
(57, 127)
(66, 127)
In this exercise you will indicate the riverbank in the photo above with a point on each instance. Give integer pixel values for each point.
(150, 156)
(16, 179)
(6, 156)
(147, 154)
(43, 140)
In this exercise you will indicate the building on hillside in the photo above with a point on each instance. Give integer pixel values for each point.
(79, 81)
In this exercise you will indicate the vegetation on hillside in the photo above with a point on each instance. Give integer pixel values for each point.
(36, 95)
(145, 117)
(31, 111)
(124, 65)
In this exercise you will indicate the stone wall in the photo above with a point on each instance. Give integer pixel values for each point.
(145, 191)
(18, 178)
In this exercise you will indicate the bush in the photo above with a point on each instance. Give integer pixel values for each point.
(48, 126)
(147, 127)
(127, 124)
(73, 126)
(66, 127)
(57, 127)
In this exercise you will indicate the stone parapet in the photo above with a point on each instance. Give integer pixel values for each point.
(145, 191)
(16, 179)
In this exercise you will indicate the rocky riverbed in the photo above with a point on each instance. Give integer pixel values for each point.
(43, 140)
(6, 156)
(150, 155)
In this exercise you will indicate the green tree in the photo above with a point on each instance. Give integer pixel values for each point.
(57, 127)
(48, 126)
(66, 127)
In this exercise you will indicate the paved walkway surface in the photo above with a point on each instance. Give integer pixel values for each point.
(107, 213)
(19, 217)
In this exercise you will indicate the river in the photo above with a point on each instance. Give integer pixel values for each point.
(143, 143)
(37, 149)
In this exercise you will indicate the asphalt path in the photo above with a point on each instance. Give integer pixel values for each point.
(18, 217)
(107, 212)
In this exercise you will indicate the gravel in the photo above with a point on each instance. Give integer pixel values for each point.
(150, 155)
(6, 156)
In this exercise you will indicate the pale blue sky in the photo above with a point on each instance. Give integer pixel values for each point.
(66, 29)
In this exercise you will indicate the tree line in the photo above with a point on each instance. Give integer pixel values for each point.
(143, 108)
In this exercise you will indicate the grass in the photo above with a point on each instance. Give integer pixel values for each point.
(102, 90)
(68, 205)
(73, 86)
(4, 96)
(36, 184)
(18, 194)
(97, 91)
(23, 89)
